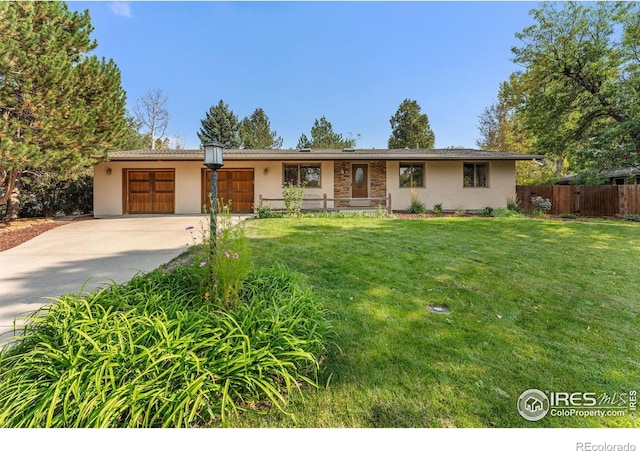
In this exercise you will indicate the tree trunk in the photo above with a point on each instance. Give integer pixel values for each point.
(13, 204)
(559, 163)
(153, 132)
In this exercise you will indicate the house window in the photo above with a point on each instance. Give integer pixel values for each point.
(307, 174)
(411, 175)
(620, 181)
(476, 175)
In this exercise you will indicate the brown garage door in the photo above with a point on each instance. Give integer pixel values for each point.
(235, 185)
(150, 191)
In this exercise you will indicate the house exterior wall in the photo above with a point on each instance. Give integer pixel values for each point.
(444, 184)
(270, 185)
(108, 188)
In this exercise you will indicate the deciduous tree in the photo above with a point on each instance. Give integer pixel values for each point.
(580, 83)
(502, 130)
(151, 111)
(410, 128)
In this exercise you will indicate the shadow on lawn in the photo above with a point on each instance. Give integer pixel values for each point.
(413, 368)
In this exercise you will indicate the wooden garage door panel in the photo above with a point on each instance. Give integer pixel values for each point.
(164, 176)
(224, 181)
(139, 187)
(241, 205)
(245, 176)
(164, 202)
(140, 203)
(139, 175)
(242, 187)
(151, 192)
(164, 187)
(234, 185)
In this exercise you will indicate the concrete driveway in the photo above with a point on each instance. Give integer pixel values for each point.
(95, 251)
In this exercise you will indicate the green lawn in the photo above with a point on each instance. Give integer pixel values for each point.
(535, 304)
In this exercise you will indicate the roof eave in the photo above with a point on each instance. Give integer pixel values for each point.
(324, 155)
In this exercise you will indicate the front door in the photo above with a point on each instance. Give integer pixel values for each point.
(359, 183)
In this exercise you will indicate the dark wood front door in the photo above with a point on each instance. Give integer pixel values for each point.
(150, 191)
(235, 185)
(359, 181)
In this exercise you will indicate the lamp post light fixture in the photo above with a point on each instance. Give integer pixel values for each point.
(213, 161)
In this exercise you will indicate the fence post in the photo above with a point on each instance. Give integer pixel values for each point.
(389, 204)
(324, 202)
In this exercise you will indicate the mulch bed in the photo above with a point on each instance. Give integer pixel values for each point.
(402, 215)
(17, 232)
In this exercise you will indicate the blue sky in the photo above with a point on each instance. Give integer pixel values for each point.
(352, 62)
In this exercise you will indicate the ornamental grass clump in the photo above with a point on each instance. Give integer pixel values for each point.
(151, 353)
(416, 207)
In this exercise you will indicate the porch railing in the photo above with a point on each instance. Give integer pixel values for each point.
(339, 203)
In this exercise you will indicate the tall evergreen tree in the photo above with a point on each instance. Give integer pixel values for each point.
(255, 132)
(303, 142)
(410, 128)
(220, 124)
(60, 108)
(132, 139)
(323, 137)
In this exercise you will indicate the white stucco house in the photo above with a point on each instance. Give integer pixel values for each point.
(176, 181)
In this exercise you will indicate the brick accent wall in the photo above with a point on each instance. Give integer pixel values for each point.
(378, 177)
(342, 180)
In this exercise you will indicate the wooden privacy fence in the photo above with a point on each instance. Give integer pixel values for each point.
(601, 200)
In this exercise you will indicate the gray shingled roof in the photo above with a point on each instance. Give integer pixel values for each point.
(323, 154)
(625, 172)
